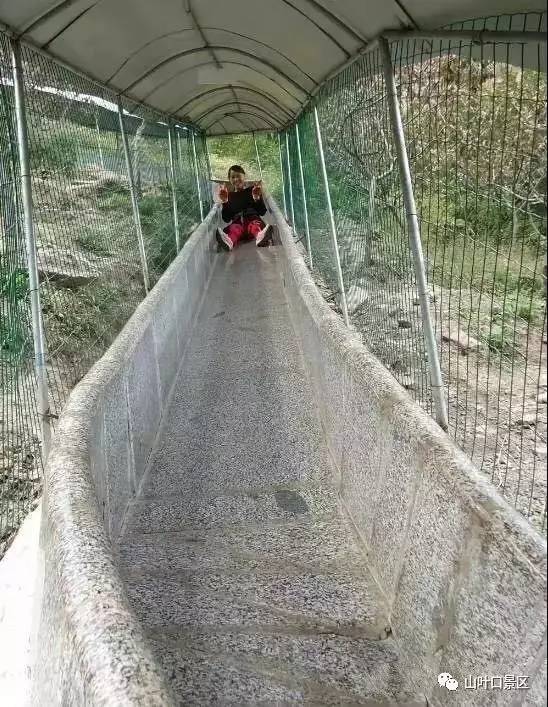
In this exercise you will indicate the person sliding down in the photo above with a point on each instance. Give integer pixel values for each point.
(243, 207)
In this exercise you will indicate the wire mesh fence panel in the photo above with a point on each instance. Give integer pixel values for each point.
(475, 121)
(202, 165)
(19, 424)
(370, 220)
(148, 138)
(188, 204)
(89, 263)
(474, 118)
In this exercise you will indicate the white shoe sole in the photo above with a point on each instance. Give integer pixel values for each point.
(262, 235)
(221, 236)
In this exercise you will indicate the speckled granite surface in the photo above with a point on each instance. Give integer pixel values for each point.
(236, 555)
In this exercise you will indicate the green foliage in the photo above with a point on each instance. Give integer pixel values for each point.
(14, 285)
(54, 152)
(240, 149)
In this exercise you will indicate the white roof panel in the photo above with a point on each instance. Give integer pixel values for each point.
(261, 60)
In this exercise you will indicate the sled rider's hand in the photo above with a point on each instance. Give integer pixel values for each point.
(257, 191)
(223, 194)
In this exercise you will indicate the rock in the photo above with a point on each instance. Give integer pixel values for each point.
(464, 343)
(527, 421)
(65, 268)
(542, 400)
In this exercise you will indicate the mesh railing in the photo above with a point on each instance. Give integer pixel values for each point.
(90, 269)
(474, 118)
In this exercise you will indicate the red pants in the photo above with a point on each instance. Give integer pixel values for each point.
(250, 227)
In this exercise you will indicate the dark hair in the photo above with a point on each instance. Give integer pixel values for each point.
(236, 168)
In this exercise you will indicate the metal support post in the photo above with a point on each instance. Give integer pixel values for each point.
(282, 173)
(289, 183)
(172, 158)
(258, 158)
(436, 380)
(133, 193)
(197, 177)
(305, 207)
(99, 143)
(332, 227)
(38, 335)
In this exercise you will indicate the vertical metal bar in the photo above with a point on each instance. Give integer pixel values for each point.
(134, 202)
(289, 182)
(197, 177)
(305, 207)
(436, 380)
(38, 335)
(332, 227)
(282, 173)
(171, 138)
(99, 143)
(258, 158)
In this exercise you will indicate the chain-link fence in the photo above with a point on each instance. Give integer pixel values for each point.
(89, 258)
(474, 119)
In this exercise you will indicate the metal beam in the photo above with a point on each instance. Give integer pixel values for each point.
(436, 380)
(290, 183)
(305, 206)
(38, 334)
(240, 88)
(197, 50)
(243, 112)
(172, 160)
(134, 201)
(282, 174)
(332, 226)
(258, 157)
(197, 174)
(238, 104)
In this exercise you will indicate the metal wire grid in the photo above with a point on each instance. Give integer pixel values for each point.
(475, 123)
(19, 426)
(88, 257)
(475, 120)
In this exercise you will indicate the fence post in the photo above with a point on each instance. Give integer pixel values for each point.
(305, 207)
(289, 183)
(282, 173)
(258, 158)
(38, 334)
(99, 143)
(436, 381)
(332, 227)
(171, 137)
(197, 176)
(133, 193)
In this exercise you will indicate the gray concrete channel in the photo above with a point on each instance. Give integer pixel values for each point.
(243, 507)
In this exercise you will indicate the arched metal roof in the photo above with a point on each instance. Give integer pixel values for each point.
(225, 65)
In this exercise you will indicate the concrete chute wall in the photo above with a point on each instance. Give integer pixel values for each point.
(463, 576)
(90, 648)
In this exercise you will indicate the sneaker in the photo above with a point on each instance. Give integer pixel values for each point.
(223, 240)
(264, 237)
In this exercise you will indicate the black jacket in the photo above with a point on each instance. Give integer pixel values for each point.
(241, 204)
